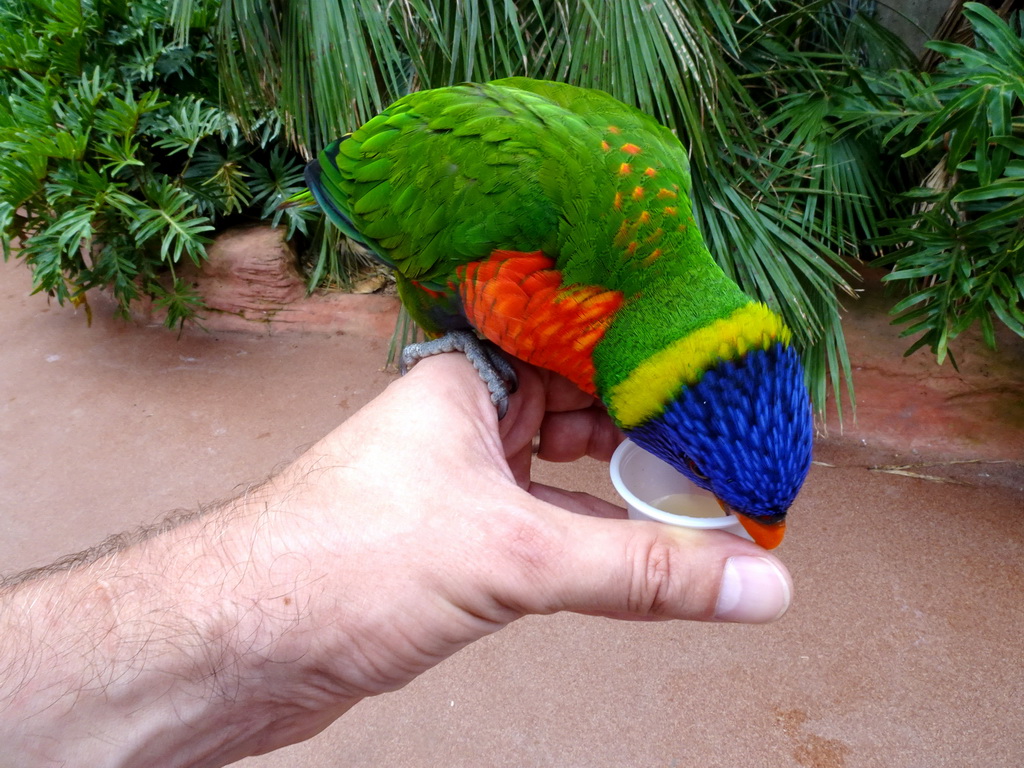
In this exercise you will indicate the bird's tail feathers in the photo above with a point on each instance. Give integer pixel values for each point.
(326, 195)
(323, 181)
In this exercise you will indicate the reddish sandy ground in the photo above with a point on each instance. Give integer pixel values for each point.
(903, 647)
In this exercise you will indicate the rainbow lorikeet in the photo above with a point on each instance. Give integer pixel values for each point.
(556, 223)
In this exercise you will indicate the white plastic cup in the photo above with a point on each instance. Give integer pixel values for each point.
(640, 478)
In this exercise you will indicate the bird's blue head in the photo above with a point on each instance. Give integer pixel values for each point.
(743, 432)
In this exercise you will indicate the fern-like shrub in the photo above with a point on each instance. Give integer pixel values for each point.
(116, 161)
(954, 241)
(960, 251)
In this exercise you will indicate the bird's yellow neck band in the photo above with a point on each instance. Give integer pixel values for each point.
(657, 380)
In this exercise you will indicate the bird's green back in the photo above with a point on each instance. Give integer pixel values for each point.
(445, 177)
(557, 223)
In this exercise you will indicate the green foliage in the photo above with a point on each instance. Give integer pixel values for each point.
(958, 243)
(805, 124)
(781, 193)
(962, 250)
(114, 164)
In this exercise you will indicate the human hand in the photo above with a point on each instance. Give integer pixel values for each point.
(404, 535)
(414, 529)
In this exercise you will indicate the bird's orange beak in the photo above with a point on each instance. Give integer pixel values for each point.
(767, 535)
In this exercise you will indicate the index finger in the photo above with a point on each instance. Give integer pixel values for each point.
(570, 435)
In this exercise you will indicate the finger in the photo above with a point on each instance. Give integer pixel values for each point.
(560, 394)
(571, 435)
(564, 437)
(644, 570)
(563, 395)
(520, 463)
(571, 424)
(577, 501)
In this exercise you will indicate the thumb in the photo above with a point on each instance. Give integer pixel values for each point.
(632, 569)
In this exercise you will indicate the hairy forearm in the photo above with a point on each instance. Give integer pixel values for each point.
(149, 650)
(394, 542)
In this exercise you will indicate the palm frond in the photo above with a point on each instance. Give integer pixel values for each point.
(748, 85)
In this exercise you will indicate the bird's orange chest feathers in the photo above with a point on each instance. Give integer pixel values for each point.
(518, 301)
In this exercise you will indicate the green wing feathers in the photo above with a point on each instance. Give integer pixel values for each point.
(557, 223)
(445, 178)
(324, 180)
(437, 180)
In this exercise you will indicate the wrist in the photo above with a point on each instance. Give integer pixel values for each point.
(138, 658)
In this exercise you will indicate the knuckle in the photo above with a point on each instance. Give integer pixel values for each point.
(529, 579)
(526, 544)
(654, 588)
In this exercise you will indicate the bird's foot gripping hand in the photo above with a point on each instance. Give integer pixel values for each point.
(495, 371)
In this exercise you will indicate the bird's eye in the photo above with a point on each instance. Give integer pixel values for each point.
(695, 469)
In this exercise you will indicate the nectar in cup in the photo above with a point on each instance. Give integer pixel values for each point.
(689, 505)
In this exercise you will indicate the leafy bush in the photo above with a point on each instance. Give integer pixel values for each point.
(954, 237)
(777, 218)
(115, 163)
(960, 248)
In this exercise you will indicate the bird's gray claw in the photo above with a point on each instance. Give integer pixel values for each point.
(495, 371)
(409, 358)
(502, 406)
